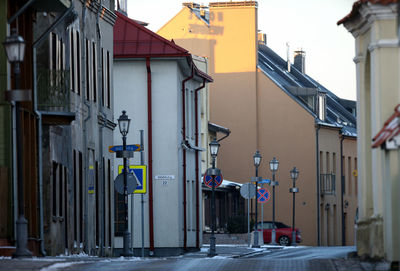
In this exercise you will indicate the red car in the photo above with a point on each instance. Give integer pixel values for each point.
(283, 233)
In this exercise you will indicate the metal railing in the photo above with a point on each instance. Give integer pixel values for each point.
(53, 90)
(328, 184)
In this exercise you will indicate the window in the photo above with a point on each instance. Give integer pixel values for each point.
(54, 189)
(106, 78)
(75, 193)
(60, 190)
(81, 189)
(349, 175)
(327, 184)
(328, 162)
(75, 62)
(97, 209)
(109, 201)
(88, 70)
(94, 71)
(108, 104)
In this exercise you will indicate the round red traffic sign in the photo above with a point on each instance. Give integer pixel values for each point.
(208, 181)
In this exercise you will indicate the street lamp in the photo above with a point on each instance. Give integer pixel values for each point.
(294, 174)
(214, 147)
(123, 124)
(15, 49)
(257, 160)
(273, 166)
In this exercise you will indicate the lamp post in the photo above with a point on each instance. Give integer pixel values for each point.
(123, 124)
(15, 49)
(214, 147)
(273, 166)
(257, 160)
(294, 174)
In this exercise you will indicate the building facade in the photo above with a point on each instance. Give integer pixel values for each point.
(159, 86)
(272, 106)
(375, 29)
(68, 170)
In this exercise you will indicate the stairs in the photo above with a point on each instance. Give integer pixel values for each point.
(5, 248)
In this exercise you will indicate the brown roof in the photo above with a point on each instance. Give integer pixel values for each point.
(357, 4)
(390, 129)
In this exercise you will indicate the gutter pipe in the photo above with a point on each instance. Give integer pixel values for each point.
(318, 126)
(184, 155)
(197, 164)
(39, 118)
(101, 129)
(342, 187)
(84, 132)
(150, 155)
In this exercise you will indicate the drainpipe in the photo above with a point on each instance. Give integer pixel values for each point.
(39, 126)
(317, 127)
(84, 132)
(184, 156)
(150, 156)
(197, 164)
(101, 129)
(342, 187)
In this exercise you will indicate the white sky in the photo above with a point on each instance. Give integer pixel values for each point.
(307, 24)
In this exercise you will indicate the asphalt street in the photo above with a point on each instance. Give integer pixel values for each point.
(302, 258)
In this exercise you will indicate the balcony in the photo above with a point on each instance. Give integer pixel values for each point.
(54, 97)
(327, 184)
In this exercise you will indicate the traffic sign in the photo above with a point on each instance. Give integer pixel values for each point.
(131, 183)
(133, 147)
(140, 172)
(263, 195)
(208, 180)
(265, 181)
(248, 190)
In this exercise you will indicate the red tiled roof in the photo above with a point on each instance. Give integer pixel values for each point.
(132, 40)
(357, 4)
(390, 129)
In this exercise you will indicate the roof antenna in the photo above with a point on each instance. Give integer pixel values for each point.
(287, 56)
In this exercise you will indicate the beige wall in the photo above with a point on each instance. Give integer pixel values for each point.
(377, 67)
(286, 131)
(259, 114)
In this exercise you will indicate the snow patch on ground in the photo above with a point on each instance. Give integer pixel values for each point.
(218, 257)
(80, 255)
(57, 266)
(5, 258)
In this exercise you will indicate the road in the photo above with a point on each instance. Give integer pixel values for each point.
(299, 259)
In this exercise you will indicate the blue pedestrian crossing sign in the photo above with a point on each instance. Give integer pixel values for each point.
(263, 195)
(140, 172)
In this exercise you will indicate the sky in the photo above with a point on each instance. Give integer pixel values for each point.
(303, 24)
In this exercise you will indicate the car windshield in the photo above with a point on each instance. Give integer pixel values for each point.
(268, 225)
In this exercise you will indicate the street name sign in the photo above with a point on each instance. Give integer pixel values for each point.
(116, 148)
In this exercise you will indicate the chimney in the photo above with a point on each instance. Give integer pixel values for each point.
(300, 60)
(262, 38)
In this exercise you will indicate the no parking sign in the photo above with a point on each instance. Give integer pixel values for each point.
(263, 195)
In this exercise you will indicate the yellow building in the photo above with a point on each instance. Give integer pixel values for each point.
(375, 29)
(274, 107)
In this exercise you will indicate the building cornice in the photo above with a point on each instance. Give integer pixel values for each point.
(384, 43)
(105, 13)
(368, 13)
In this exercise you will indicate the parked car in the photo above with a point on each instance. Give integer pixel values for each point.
(283, 233)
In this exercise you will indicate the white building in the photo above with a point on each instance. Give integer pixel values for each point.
(158, 84)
